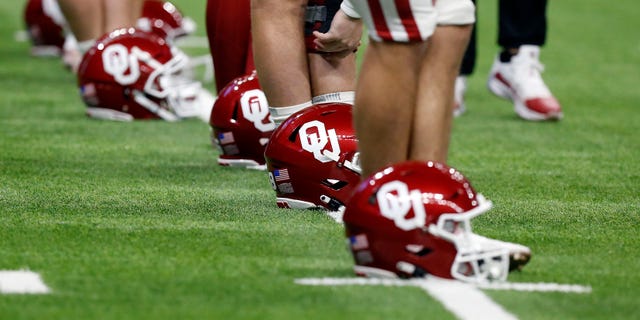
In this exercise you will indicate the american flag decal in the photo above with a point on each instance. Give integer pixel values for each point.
(281, 175)
(359, 242)
(88, 90)
(226, 137)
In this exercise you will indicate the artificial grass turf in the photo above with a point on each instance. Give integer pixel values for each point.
(136, 221)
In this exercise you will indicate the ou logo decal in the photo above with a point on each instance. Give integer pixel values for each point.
(395, 201)
(316, 142)
(255, 108)
(117, 61)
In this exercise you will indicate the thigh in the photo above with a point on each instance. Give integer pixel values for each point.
(279, 50)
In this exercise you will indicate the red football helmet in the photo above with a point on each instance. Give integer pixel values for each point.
(45, 26)
(312, 158)
(131, 74)
(241, 124)
(414, 218)
(165, 20)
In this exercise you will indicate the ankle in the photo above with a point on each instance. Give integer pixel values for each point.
(507, 54)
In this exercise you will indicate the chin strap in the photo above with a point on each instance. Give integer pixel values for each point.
(336, 208)
(410, 270)
(333, 204)
(141, 99)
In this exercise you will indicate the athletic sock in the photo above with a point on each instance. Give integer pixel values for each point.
(84, 46)
(340, 97)
(280, 114)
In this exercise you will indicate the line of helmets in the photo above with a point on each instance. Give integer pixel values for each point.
(410, 219)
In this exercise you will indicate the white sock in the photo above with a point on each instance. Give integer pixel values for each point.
(341, 97)
(280, 114)
(84, 46)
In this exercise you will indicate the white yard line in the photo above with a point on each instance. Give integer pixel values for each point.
(464, 300)
(22, 282)
(192, 42)
(537, 287)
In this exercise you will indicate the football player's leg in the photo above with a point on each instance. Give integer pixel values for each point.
(466, 70)
(434, 102)
(228, 26)
(279, 52)
(332, 76)
(385, 100)
(522, 22)
(333, 80)
(84, 17)
(516, 73)
(121, 14)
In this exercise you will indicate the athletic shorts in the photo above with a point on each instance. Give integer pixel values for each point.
(456, 12)
(318, 17)
(408, 20)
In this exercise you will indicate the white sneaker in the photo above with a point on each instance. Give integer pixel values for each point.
(458, 96)
(519, 255)
(520, 81)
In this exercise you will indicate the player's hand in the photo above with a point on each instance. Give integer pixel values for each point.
(342, 38)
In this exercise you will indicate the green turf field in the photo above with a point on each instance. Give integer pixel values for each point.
(137, 221)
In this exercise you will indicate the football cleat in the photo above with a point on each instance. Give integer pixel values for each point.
(520, 81)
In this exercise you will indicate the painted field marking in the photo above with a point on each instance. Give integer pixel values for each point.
(464, 300)
(192, 42)
(21, 36)
(22, 282)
